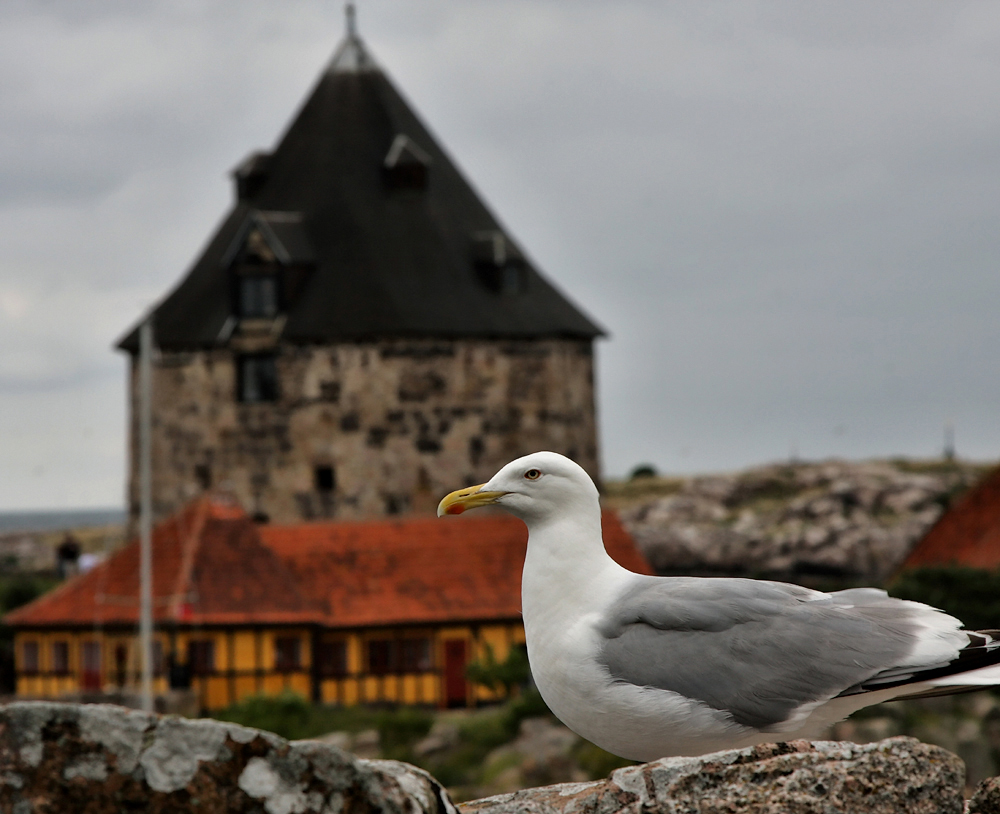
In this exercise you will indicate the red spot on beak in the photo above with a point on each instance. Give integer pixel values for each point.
(455, 508)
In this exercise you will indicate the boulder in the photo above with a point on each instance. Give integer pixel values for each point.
(894, 776)
(97, 758)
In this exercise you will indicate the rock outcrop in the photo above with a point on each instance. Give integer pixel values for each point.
(92, 759)
(895, 776)
(58, 758)
(834, 519)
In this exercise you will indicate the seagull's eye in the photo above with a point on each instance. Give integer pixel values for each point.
(532, 474)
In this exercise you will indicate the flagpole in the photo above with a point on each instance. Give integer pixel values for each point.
(146, 510)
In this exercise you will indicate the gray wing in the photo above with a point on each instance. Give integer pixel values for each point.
(759, 650)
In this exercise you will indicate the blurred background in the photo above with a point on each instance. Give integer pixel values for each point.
(783, 214)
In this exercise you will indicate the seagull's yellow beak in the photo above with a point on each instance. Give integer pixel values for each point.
(468, 498)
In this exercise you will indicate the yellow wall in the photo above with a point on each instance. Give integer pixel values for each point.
(48, 684)
(244, 664)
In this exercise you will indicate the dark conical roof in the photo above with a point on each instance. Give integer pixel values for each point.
(392, 239)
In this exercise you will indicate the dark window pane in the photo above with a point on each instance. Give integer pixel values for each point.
(29, 658)
(258, 378)
(91, 677)
(156, 656)
(201, 657)
(258, 296)
(92, 656)
(60, 657)
(416, 655)
(381, 656)
(203, 474)
(325, 480)
(286, 654)
(332, 658)
(511, 280)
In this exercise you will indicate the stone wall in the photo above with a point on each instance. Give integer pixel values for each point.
(399, 422)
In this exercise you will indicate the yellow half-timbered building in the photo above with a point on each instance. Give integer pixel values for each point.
(341, 613)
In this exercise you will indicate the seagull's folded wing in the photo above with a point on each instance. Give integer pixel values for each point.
(767, 653)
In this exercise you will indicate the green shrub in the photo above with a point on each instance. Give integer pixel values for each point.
(504, 675)
(970, 594)
(642, 471)
(21, 589)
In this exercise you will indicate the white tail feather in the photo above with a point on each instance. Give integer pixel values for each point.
(983, 677)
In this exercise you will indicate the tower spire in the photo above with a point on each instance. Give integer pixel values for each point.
(352, 25)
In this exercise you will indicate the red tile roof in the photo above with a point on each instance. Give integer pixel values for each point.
(209, 567)
(420, 570)
(212, 565)
(967, 534)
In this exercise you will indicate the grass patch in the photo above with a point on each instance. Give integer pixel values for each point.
(621, 493)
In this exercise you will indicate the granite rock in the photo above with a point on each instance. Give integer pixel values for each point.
(986, 799)
(894, 776)
(97, 758)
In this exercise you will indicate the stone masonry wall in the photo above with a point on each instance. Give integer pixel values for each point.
(401, 423)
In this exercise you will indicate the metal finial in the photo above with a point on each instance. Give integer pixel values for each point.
(352, 28)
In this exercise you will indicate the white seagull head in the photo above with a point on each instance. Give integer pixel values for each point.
(538, 487)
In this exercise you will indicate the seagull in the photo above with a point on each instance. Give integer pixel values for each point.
(648, 667)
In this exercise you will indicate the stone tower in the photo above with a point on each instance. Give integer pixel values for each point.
(361, 335)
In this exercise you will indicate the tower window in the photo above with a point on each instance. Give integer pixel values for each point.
(258, 378)
(325, 479)
(258, 296)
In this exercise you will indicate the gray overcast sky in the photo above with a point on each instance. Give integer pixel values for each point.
(786, 214)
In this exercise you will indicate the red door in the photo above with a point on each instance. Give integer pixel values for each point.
(455, 688)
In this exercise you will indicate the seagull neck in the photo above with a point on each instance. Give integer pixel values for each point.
(565, 554)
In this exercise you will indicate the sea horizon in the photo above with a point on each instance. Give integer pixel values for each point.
(35, 520)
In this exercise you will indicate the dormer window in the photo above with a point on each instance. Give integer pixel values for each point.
(405, 165)
(251, 174)
(268, 261)
(499, 264)
(258, 296)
